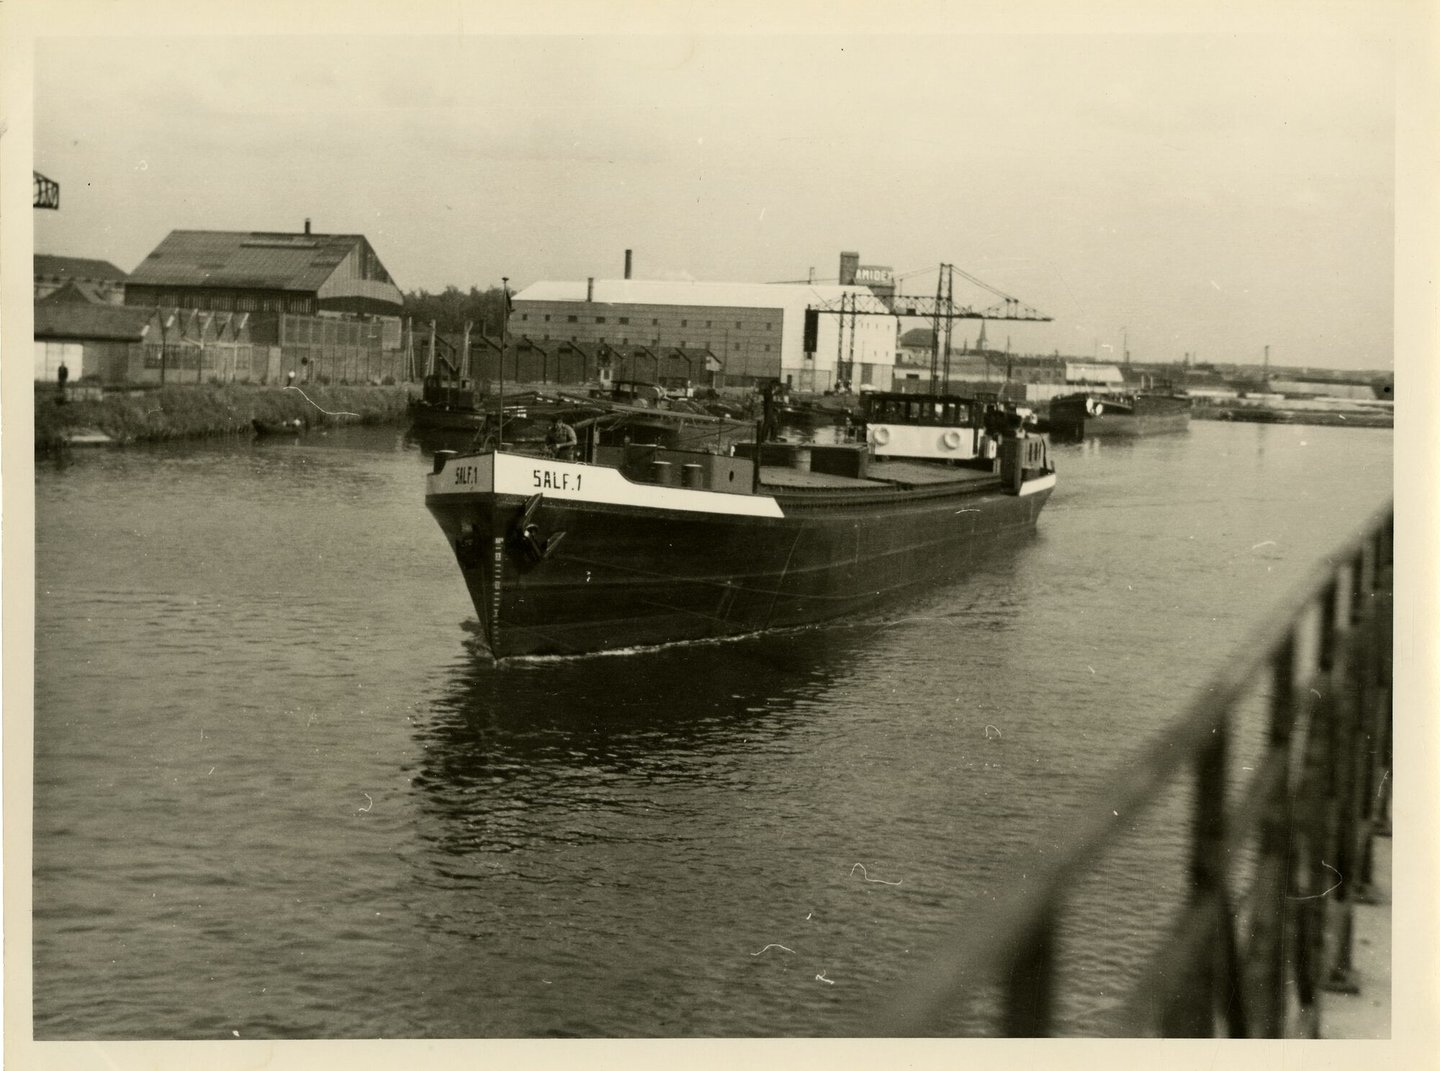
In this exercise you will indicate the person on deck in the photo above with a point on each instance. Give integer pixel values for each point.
(561, 440)
(62, 376)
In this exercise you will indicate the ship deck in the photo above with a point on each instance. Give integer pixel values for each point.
(888, 475)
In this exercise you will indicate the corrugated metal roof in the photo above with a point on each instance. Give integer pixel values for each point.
(259, 260)
(79, 320)
(667, 292)
(51, 267)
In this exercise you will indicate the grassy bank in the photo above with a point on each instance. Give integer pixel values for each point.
(198, 411)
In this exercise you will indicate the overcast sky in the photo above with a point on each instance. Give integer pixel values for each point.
(1195, 193)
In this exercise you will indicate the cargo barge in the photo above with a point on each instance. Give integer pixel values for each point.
(635, 545)
(1090, 414)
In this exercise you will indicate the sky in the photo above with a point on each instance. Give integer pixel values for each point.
(1191, 193)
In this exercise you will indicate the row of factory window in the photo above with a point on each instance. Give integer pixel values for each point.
(654, 321)
(221, 302)
(653, 342)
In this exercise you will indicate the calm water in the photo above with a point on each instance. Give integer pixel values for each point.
(280, 792)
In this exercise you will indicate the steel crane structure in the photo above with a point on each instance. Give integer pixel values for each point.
(47, 191)
(941, 311)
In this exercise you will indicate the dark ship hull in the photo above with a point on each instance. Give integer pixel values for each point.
(1075, 417)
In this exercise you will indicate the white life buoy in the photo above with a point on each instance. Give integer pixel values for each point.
(1099, 408)
(1092, 407)
(881, 436)
(952, 439)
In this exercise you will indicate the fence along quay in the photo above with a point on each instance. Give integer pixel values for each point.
(1245, 958)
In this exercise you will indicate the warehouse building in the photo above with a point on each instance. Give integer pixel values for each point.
(323, 304)
(116, 345)
(752, 332)
(86, 337)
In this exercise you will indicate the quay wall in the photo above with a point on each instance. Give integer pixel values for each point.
(200, 411)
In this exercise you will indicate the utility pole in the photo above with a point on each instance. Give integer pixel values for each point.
(164, 337)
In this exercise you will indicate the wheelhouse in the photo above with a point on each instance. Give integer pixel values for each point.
(921, 410)
(939, 427)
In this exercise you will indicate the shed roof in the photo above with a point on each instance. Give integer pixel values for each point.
(85, 321)
(53, 267)
(1084, 372)
(260, 260)
(75, 290)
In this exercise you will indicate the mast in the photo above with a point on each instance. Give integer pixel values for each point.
(949, 321)
(850, 362)
(504, 333)
(935, 328)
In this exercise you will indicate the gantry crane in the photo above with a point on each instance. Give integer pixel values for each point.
(940, 310)
(47, 191)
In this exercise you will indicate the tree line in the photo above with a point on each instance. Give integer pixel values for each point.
(453, 308)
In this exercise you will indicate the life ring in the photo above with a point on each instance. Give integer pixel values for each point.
(1092, 407)
(952, 439)
(881, 436)
(1099, 408)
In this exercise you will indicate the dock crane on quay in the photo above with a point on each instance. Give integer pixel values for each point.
(940, 310)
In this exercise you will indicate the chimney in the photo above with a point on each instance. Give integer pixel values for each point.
(627, 263)
(849, 265)
(590, 288)
(307, 224)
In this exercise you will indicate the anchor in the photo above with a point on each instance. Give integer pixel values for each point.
(526, 533)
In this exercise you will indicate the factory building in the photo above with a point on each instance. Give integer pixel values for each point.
(756, 332)
(323, 304)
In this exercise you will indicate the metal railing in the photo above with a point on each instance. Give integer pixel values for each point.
(1303, 824)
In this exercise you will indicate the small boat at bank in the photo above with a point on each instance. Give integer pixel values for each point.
(446, 405)
(266, 428)
(636, 544)
(1256, 415)
(1092, 414)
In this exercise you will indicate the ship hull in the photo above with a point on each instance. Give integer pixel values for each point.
(1075, 416)
(638, 573)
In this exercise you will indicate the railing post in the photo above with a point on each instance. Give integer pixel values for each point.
(1343, 762)
(1385, 630)
(1369, 697)
(1265, 958)
(1030, 983)
(1192, 1014)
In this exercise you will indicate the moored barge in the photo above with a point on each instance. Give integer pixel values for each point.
(1091, 414)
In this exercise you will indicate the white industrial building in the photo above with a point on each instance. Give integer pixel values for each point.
(756, 331)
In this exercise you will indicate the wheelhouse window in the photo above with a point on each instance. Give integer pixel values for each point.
(928, 411)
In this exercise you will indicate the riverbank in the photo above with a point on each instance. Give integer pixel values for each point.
(1313, 413)
(204, 411)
